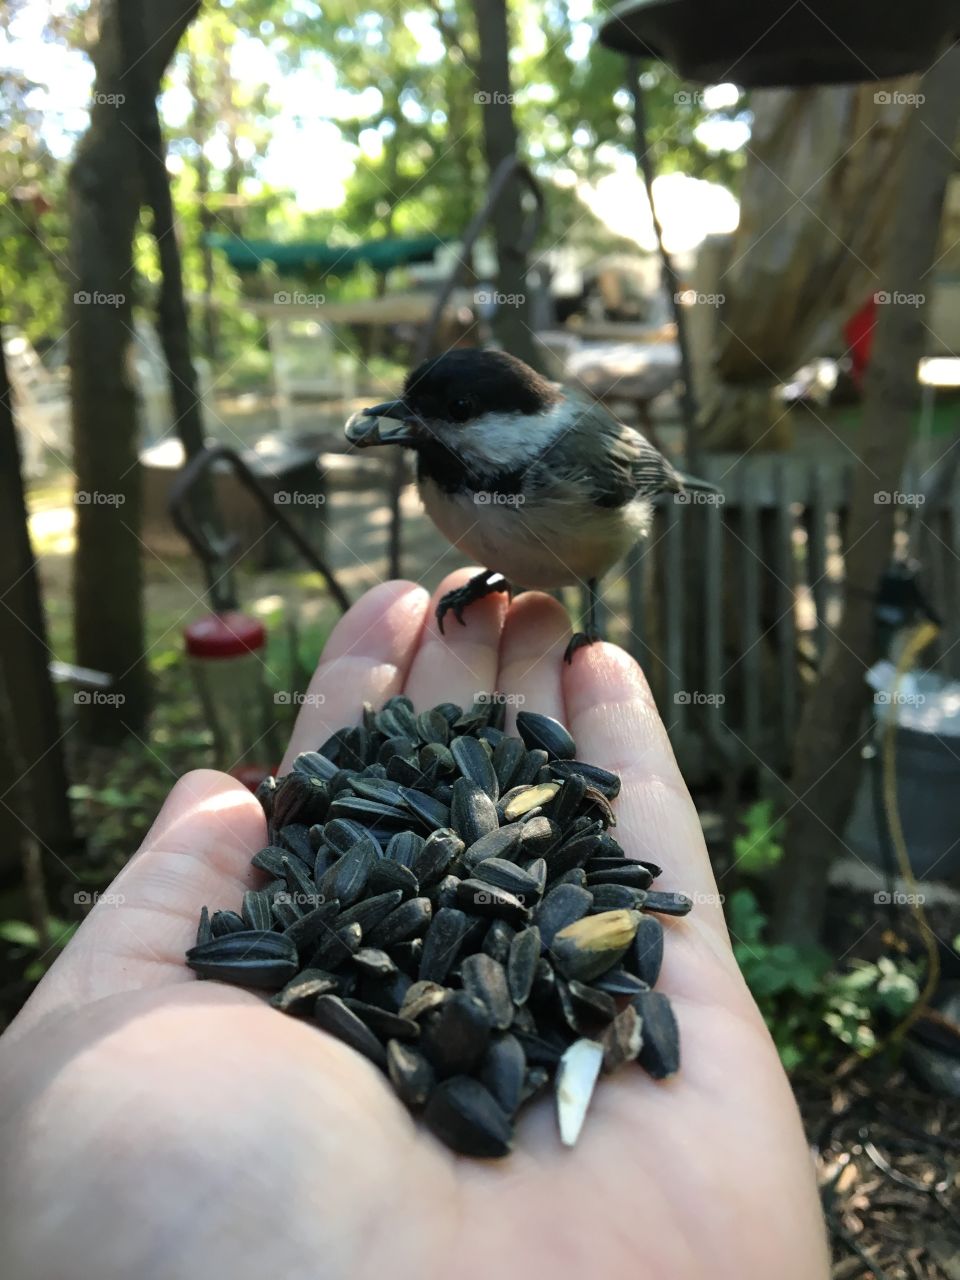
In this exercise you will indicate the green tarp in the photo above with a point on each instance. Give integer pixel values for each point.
(316, 257)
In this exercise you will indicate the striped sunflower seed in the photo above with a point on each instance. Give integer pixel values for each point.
(250, 958)
(465, 1116)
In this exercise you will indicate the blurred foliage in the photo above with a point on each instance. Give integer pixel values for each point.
(811, 1007)
(399, 88)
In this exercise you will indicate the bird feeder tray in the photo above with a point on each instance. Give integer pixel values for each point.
(759, 44)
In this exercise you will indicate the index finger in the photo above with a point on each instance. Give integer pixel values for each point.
(615, 724)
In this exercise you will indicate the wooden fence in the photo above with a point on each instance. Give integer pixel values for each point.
(729, 604)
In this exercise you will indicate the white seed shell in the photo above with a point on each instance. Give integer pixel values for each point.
(577, 1074)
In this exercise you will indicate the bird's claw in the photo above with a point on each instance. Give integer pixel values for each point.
(579, 640)
(457, 600)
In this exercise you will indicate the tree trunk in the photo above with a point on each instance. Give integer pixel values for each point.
(205, 215)
(827, 751)
(173, 322)
(512, 320)
(104, 200)
(33, 778)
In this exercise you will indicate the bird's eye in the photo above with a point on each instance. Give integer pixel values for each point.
(461, 409)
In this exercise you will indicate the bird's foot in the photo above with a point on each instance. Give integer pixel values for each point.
(483, 584)
(579, 640)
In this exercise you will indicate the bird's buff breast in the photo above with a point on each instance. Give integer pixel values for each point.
(545, 544)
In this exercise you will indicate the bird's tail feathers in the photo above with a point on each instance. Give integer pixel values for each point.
(695, 484)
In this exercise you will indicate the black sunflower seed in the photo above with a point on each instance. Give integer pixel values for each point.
(539, 836)
(576, 875)
(464, 1115)
(400, 748)
(548, 734)
(374, 962)
(660, 1053)
(480, 899)
(591, 1001)
(384, 1024)
(380, 790)
(537, 871)
(265, 792)
(404, 847)
(522, 963)
(436, 759)
(619, 982)
(336, 946)
(431, 812)
(435, 855)
(224, 922)
(485, 978)
(256, 910)
(370, 911)
(441, 944)
(407, 772)
(387, 875)
(473, 761)
(204, 929)
(646, 955)
(634, 876)
(332, 1015)
(564, 904)
(503, 1070)
(252, 958)
(422, 997)
(433, 727)
(569, 798)
(404, 922)
(529, 767)
(270, 859)
(347, 878)
(300, 993)
(444, 892)
(571, 854)
(502, 842)
(369, 812)
(410, 1074)
(355, 749)
(301, 886)
(507, 875)
(407, 955)
(537, 1051)
(299, 798)
(668, 904)
(305, 929)
(472, 813)
(455, 1036)
(497, 940)
(602, 779)
(507, 755)
(314, 765)
(343, 834)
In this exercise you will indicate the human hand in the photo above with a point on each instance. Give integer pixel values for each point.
(154, 1127)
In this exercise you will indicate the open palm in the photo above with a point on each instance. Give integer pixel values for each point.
(153, 1126)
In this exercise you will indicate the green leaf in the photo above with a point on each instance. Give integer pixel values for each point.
(19, 932)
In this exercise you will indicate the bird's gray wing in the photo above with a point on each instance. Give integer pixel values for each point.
(613, 461)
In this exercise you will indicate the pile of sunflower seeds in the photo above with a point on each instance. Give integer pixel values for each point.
(449, 902)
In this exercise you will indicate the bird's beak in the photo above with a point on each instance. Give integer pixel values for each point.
(390, 423)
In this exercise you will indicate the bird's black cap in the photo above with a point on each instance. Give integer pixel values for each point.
(467, 383)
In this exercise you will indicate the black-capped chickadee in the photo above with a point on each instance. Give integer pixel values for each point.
(537, 482)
